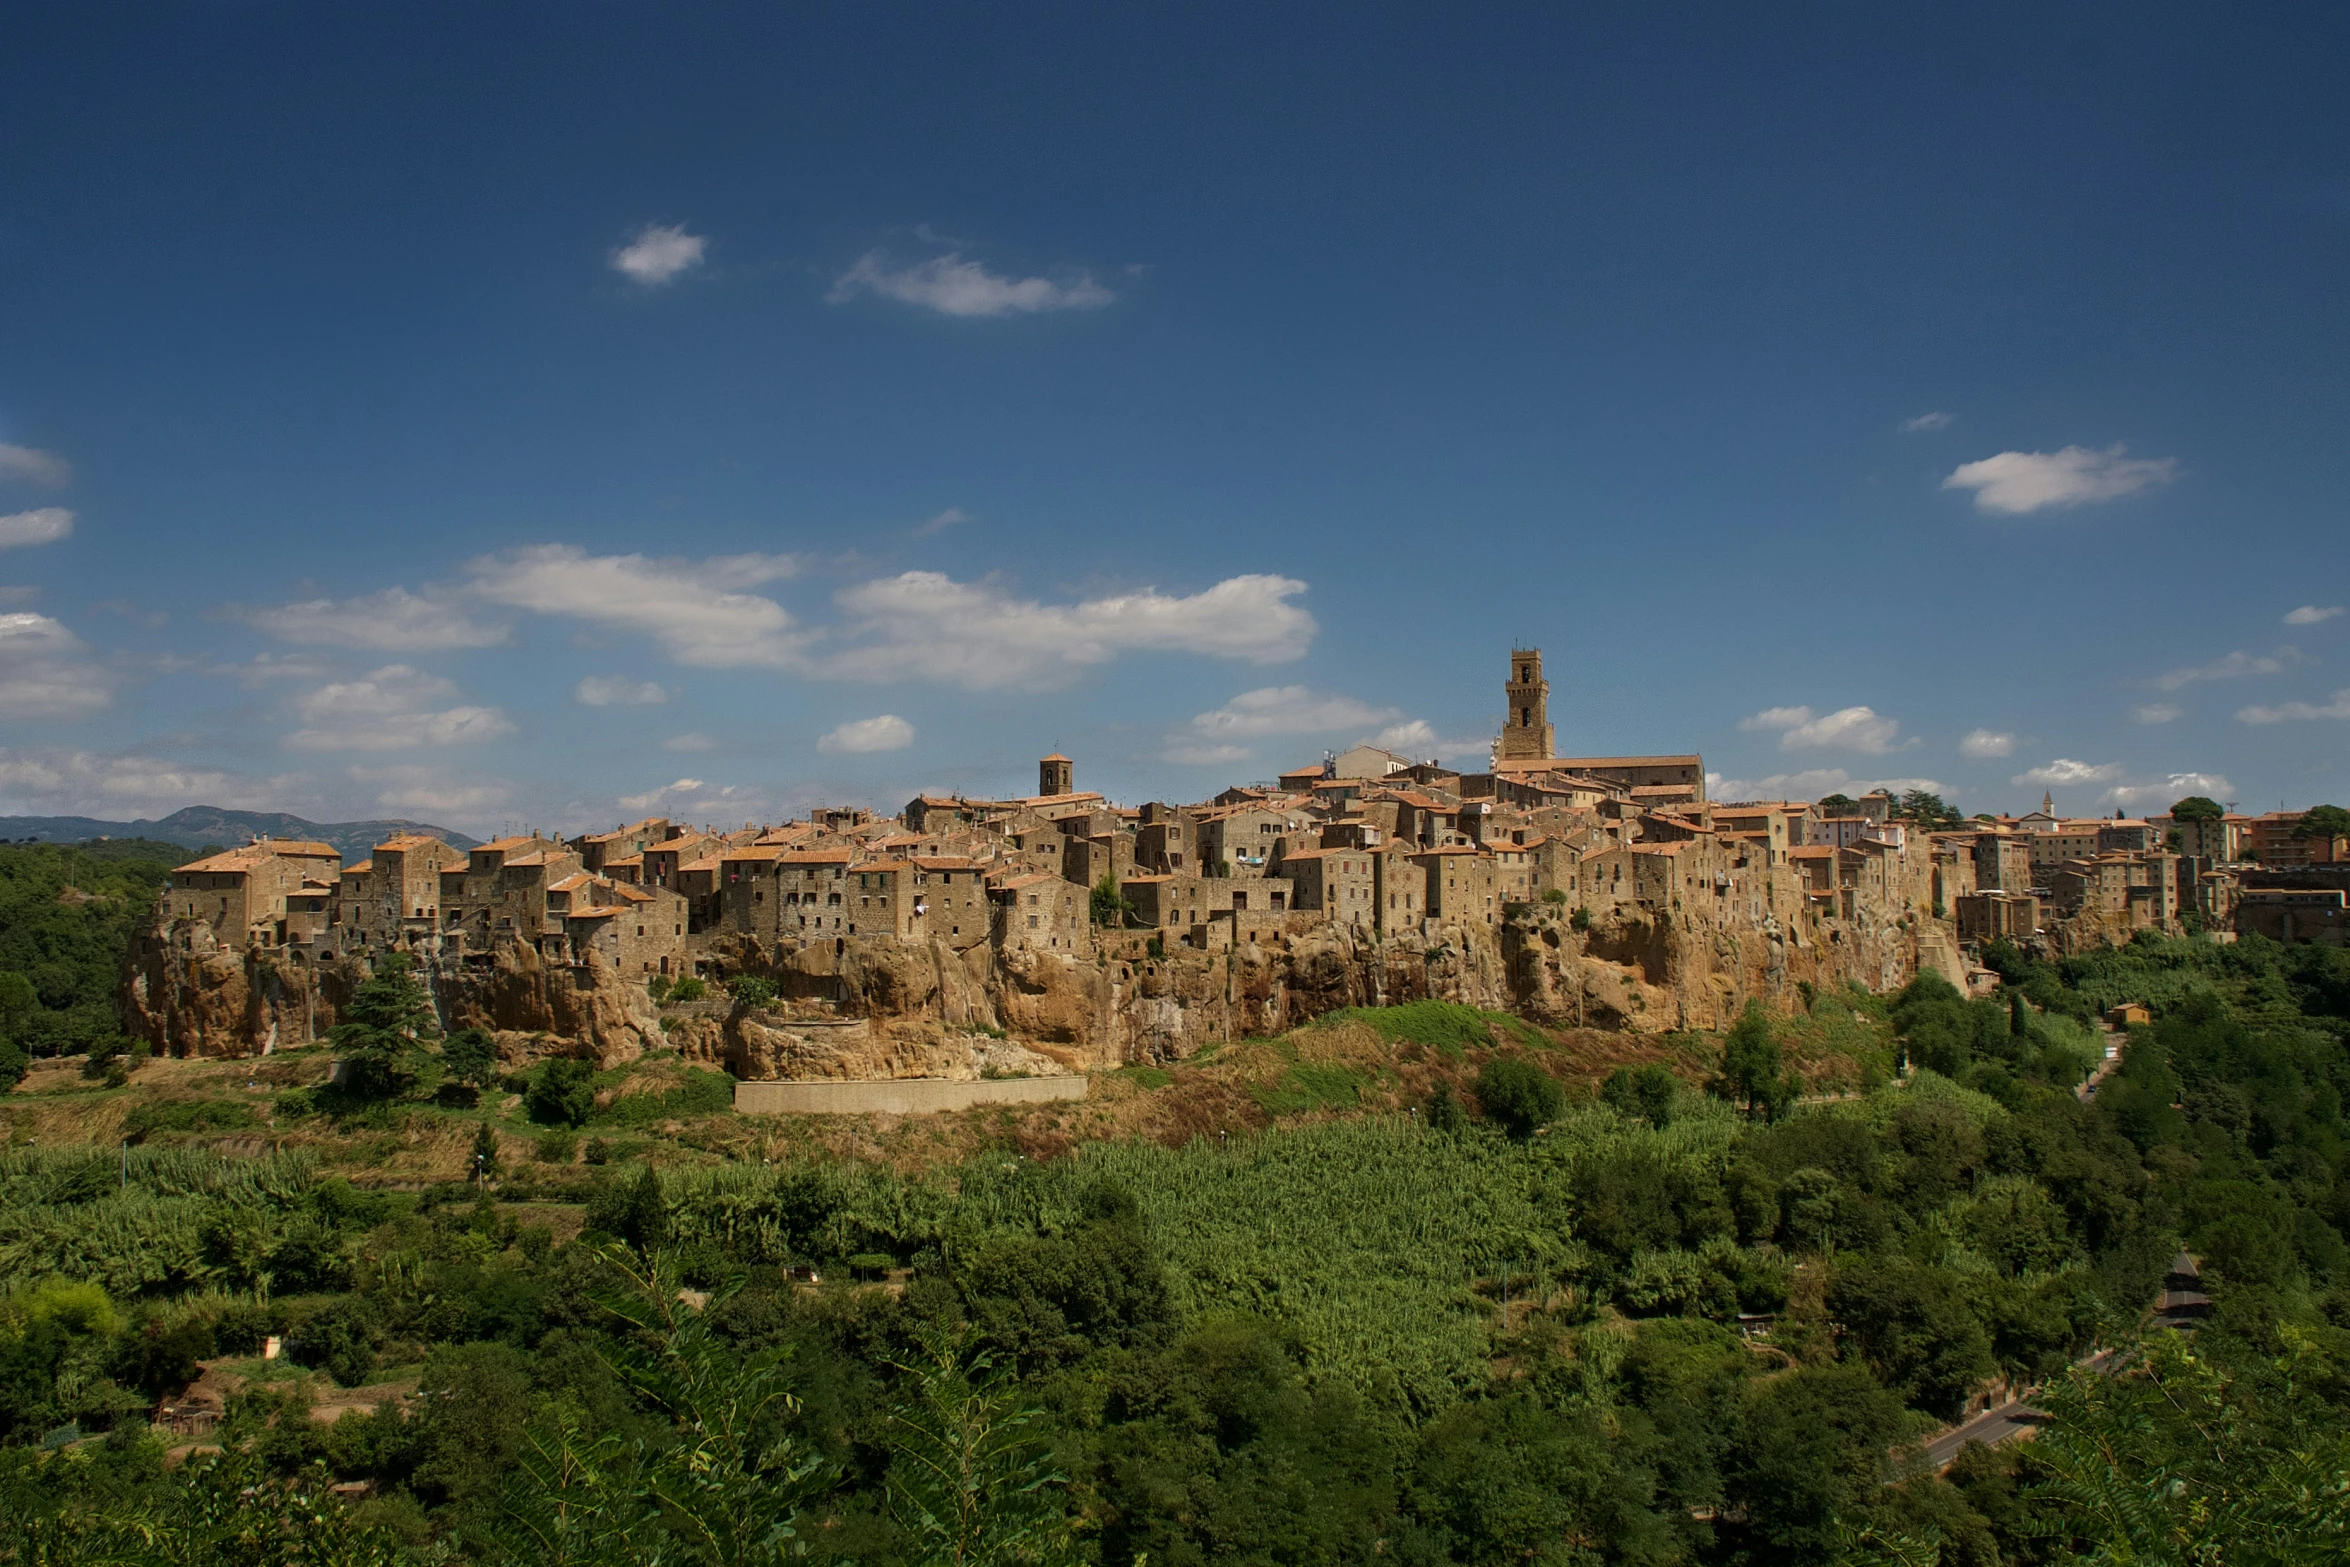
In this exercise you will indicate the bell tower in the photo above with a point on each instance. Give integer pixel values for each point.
(1056, 774)
(1526, 734)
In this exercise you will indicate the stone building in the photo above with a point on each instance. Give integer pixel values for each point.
(273, 892)
(1526, 733)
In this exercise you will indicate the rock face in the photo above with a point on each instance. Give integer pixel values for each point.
(877, 1007)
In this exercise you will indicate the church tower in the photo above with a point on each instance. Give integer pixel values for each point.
(1526, 734)
(1056, 774)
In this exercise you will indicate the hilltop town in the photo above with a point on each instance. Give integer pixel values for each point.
(1603, 891)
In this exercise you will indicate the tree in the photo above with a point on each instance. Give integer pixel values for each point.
(1750, 1063)
(470, 1057)
(1519, 1095)
(1444, 1111)
(1928, 810)
(969, 1482)
(562, 1092)
(1647, 1093)
(749, 990)
(1835, 804)
(387, 1015)
(2197, 808)
(2323, 821)
(1109, 905)
(485, 1151)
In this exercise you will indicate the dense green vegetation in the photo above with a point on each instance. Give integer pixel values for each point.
(1664, 1323)
(66, 917)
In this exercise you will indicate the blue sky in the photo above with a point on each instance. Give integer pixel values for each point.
(546, 415)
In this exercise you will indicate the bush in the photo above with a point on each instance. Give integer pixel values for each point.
(470, 1057)
(1519, 1096)
(556, 1146)
(1647, 1092)
(562, 1092)
(686, 989)
(749, 990)
(657, 987)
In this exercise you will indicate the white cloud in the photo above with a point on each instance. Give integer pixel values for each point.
(428, 791)
(696, 610)
(923, 624)
(1860, 729)
(617, 691)
(46, 525)
(688, 742)
(659, 253)
(1414, 737)
(392, 709)
(1289, 710)
(2017, 483)
(2289, 712)
(953, 286)
(1808, 785)
(694, 794)
(2156, 712)
(2164, 792)
(862, 736)
(2311, 614)
(2235, 666)
(1932, 421)
(64, 781)
(1776, 718)
(391, 621)
(940, 523)
(39, 675)
(1981, 743)
(1186, 754)
(34, 466)
(2064, 770)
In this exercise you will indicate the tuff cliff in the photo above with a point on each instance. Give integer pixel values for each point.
(880, 1007)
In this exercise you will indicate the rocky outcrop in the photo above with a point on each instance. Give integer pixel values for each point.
(878, 1007)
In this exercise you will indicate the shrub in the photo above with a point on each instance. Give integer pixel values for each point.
(470, 1057)
(686, 989)
(657, 987)
(562, 1092)
(1519, 1095)
(749, 990)
(556, 1145)
(1647, 1092)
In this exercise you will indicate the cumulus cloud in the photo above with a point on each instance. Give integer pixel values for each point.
(67, 781)
(2156, 712)
(1288, 710)
(618, 691)
(2018, 483)
(924, 624)
(391, 621)
(393, 709)
(34, 466)
(1932, 421)
(45, 525)
(2064, 770)
(953, 286)
(862, 736)
(1414, 737)
(2235, 666)
(2311, 614)
(697, 610)
(1776, 718)
(693, 794)
(40, 674)
(2291, 712)
(2161, 793)
(940, 523)
(427, 791)
(1981, 743)
(659, 253)
(1861, 729)
(1808, 785)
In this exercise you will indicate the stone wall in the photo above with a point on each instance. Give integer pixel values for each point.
(905, 1096)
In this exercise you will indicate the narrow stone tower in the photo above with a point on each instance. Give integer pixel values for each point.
(1056, 774)
(1526, 734)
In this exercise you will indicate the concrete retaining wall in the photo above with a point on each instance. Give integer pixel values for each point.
(900, 1095)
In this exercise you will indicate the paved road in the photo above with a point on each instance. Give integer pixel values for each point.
(2009, 1421)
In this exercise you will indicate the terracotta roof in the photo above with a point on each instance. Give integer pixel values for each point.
(1055, 757)
(710, 864)
(946, 862)
(1028, 880)
(840, 856)
(1812, 852)
(228, 860)
(525, 862)
(637, 860)
(360, 869)
(598, 913)
(507, 845)
(407, 840)
(755, 852)
(571, 882)
(631, 894)
(881, 865)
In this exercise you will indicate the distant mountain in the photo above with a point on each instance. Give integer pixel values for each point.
(199, 825)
